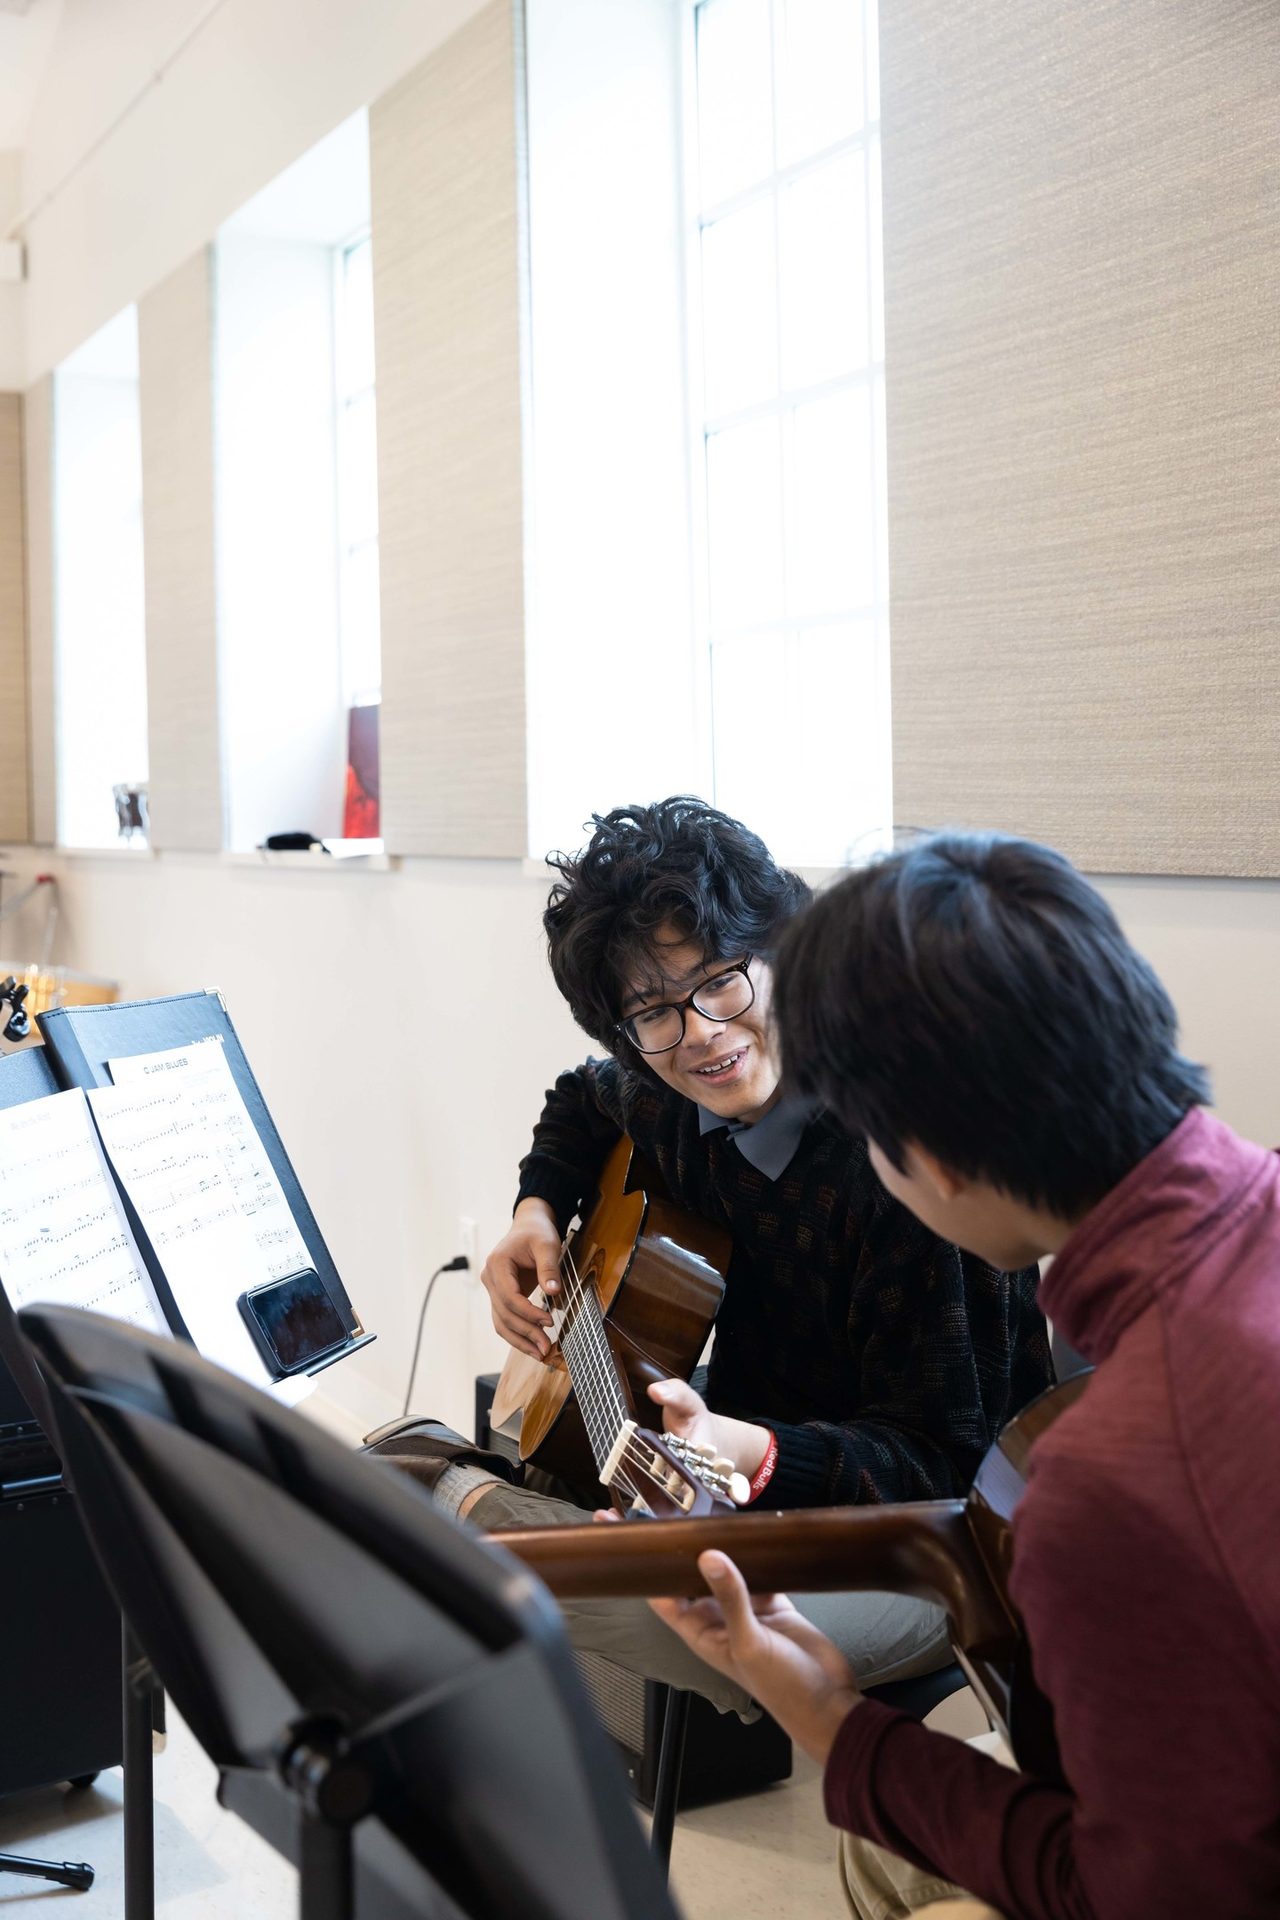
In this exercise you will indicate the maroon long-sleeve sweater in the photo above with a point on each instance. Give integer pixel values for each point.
(1147, 1570)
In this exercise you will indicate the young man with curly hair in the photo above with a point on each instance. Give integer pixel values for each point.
(857, 1356)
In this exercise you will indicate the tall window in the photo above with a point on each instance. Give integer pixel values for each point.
(297, 499)
(358, 595)
(357, 474)
(100, 620)
(791, 419)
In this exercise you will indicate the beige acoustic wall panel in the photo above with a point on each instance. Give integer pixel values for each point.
(37, 443)
(447, 281)
(175, 324)
(14, 794)
(1082, 284)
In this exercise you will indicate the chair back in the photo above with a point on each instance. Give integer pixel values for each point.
(292, 1595)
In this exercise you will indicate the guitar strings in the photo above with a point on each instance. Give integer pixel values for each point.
(599, 1394)
(588, 1335)
(634, 1451)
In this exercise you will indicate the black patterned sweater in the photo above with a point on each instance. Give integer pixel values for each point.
(885, 1360)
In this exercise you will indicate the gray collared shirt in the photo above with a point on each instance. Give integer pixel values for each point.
(769, 1144)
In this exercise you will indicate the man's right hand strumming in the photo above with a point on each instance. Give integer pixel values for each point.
(527, 1257)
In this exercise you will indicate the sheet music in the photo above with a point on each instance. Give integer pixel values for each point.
(184, 1173)
(63, 1233)
(217, 1105)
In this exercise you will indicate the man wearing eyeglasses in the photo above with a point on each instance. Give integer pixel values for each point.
(857, 1357)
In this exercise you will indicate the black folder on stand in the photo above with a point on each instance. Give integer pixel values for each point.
(26, 1075)
(79, 1042)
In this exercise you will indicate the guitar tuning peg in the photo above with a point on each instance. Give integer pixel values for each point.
(720, 1465)
(739, 1489)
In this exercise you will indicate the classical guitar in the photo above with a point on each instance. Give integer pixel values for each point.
(954, 1552)
(641, 1283)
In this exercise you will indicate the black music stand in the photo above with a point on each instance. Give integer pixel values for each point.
(68, 1707)
(390, 1702)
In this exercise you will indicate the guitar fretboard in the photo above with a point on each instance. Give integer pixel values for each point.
(591, 1367)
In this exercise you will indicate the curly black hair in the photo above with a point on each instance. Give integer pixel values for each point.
(648, 871)
(975, 995)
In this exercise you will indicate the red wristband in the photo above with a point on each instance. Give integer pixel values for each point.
(764, 1472)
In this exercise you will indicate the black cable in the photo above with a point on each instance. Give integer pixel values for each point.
(458, 1264)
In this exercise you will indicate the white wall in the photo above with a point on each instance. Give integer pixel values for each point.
(13, 354)
(1216, 946)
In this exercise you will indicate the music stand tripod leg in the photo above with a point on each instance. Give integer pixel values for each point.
(666, 1793)
(139, 1786)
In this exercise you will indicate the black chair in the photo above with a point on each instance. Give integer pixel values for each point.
(917, 1696)
(391, 1703)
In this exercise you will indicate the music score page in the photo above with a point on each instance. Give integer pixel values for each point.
(214, 1101)
(186, 1151)
(64, 1238)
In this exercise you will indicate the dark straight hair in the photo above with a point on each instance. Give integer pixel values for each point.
(676, 866)
(973, 994)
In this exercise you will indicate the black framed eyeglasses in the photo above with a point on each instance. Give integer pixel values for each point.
(722, 996)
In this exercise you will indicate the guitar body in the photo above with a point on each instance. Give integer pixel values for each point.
(956, 1553)
(1001, 1673)
(657, 1272)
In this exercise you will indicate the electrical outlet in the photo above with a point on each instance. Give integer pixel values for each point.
(469, 1242)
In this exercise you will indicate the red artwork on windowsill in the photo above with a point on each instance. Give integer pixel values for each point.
(360, 814)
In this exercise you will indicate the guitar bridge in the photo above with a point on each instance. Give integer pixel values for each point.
(632, 1455)
(649, 1466)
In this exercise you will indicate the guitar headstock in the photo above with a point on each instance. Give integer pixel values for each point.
(662, 1475)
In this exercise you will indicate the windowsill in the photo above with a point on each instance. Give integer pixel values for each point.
(312, 861)
(127, 850)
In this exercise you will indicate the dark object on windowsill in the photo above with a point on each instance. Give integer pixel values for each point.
(133, 816)
(293, 843)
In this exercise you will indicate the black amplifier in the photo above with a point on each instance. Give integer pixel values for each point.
(60, 1654)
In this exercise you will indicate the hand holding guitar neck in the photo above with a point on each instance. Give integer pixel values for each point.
(771, 1650)
(659, 1476)
(687, 1415)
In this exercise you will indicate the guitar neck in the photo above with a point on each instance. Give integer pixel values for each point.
(925, 1550)
(597, 1385)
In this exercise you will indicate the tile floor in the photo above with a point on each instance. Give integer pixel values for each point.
(766, 1857)
(769, 1855)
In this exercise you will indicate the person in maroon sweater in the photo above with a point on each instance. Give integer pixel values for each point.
(971, 1005)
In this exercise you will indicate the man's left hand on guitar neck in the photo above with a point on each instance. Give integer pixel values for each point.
(771, 1650)
(687, 1415)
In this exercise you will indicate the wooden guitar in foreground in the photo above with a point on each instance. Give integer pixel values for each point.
(954, 1552)
(641, 1282)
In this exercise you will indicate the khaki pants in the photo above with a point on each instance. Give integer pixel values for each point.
(878, 1885)
(882, 1635)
